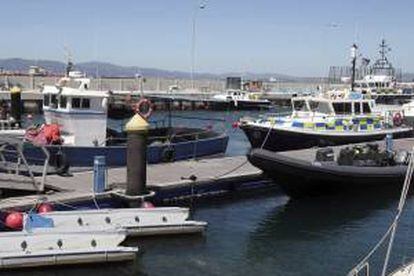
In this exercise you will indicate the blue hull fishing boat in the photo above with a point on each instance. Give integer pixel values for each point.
(208, 143)
(76, 131)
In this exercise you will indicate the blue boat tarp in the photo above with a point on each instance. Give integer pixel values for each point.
(34, 221)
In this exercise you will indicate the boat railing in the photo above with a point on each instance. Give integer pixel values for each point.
(7, 125)
(16, 171)
(196, 135)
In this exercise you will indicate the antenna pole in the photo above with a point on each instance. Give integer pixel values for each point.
(353, 57)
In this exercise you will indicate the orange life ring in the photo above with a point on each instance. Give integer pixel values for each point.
(397, 119)
(143, 108)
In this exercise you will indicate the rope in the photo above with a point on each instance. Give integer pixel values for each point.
(268, 134)
(392, 228)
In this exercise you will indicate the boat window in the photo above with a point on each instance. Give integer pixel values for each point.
(300, 106)
(46, 99)
(357, 107)
(54, 101)
(63, 102)
(76, 102)
(321, 107)
(366, 108)
(342, 107)
(371, 84)
(86, 103)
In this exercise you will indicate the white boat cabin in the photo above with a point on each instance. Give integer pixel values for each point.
(80, 113)
(319, 106)
(375, 83)
(335, 111)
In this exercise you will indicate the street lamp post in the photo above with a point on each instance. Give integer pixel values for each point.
(201, 6)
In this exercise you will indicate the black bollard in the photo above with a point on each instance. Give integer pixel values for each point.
(137, 131)
(16, 104)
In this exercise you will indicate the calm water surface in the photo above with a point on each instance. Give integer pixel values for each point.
(268, 234)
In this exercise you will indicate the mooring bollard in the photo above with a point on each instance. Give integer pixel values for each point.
(16, 104)
(137, 130)
(99, 174)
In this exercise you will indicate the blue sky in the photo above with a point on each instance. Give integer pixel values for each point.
(293, 37)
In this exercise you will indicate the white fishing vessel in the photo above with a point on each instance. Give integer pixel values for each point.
(77, 128)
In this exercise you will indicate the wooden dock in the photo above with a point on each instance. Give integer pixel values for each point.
(216, 173)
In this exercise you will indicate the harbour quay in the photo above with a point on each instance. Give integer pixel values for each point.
(165, 93)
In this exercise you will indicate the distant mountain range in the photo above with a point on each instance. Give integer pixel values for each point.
(105, 69)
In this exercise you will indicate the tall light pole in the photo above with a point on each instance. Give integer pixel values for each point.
(201, 5)
(354, 49)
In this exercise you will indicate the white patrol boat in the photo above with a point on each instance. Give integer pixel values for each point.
(335, 118)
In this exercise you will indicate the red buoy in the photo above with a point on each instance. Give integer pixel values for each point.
(14, 220)
(44, 208)
(147, 205)
(235, 124)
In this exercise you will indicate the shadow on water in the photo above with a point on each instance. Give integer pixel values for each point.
(321, 235)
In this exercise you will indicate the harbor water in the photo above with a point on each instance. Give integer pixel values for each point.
(266, 233)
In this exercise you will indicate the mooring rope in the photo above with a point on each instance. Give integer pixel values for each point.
(392, 228)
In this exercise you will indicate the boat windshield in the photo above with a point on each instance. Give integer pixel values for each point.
(366, 108)
(342, 108)
(321, 107)
(300, 105)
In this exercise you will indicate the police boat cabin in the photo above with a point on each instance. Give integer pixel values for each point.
(334, 118)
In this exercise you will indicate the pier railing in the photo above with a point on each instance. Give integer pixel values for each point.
(16, 171)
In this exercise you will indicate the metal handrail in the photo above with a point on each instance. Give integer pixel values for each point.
(166, 137)
(17, 145)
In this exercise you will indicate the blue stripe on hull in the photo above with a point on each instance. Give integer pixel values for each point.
(116, 155)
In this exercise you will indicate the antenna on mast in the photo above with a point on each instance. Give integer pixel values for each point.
(69, 59)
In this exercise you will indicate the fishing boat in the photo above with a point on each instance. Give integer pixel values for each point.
(77, 129)
(238, 99)
(332, 118)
